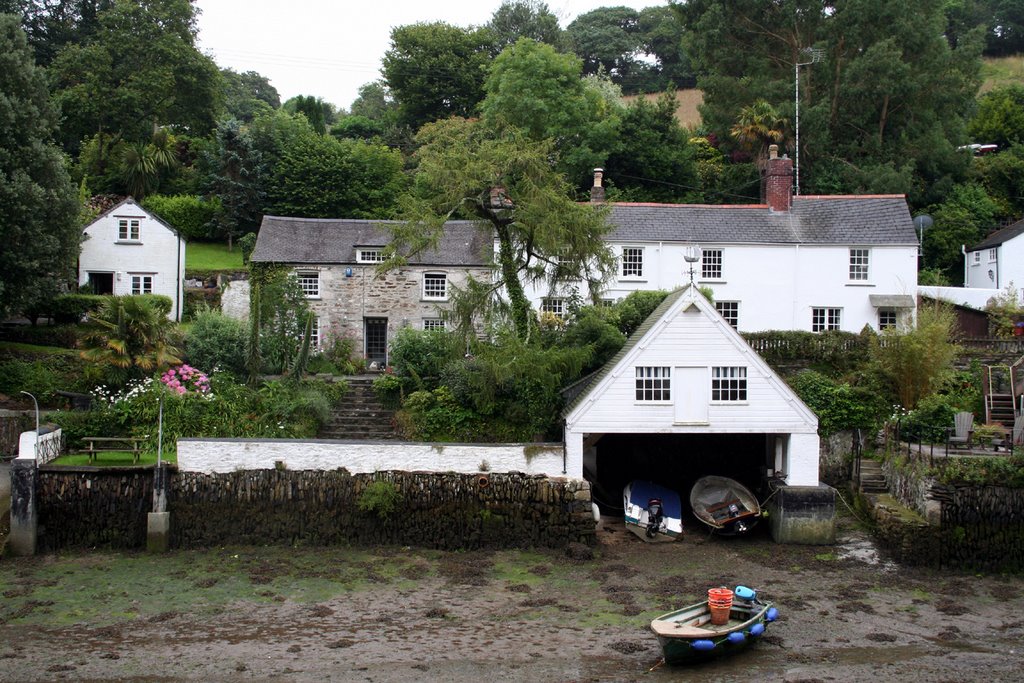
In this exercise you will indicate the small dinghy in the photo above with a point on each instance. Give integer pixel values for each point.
(727, 622)
(653, 512)
(725, 505)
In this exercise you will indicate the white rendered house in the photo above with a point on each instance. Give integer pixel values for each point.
(129, 250)
(811, 263)
(997, 261)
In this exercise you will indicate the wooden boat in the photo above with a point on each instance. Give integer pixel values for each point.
(725, 505)
(653, 512)
(687, 635)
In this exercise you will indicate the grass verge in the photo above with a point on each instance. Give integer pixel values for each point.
(114, 459)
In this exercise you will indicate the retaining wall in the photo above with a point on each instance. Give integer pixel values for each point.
(88, 507)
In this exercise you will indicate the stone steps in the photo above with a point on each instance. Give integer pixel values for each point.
(872, 479)
(359, 415)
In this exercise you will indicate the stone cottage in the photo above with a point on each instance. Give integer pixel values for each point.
(336, 262)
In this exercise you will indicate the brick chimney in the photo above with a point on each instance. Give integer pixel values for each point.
(778, 186)
(597, 191)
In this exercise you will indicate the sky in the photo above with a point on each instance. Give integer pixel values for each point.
(329, 48)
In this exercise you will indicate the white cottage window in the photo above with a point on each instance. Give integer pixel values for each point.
(142, 283)
(859, 262)
(823, 319)
(129, 229)
(730, 310)
(553, 305)
(653, 383)
(993, 255)
(632, 262)
(711, 264)
(370, 255)
(433, 324)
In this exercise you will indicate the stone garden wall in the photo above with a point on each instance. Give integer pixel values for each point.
(89, 507)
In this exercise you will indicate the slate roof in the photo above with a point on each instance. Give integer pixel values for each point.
(1000, 236)
(841, 219)
(334, 241)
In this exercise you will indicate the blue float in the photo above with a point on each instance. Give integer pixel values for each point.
(736, 637)
(771, 615)
(756, 630)
(744, 593)
(703, 645)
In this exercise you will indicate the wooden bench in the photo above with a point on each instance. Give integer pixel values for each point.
(110, 444)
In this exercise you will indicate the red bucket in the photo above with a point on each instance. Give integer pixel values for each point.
(720, 603)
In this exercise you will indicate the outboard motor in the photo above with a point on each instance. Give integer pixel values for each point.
(655, 516)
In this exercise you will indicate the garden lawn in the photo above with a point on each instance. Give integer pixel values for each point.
(204, 256)
(114, 459)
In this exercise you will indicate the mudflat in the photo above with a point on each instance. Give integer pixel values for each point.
(399, 614)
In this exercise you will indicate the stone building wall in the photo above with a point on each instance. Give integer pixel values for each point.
(345, 300)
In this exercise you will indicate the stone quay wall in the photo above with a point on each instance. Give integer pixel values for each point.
(87, 507)
(962, 527)
(92, 507)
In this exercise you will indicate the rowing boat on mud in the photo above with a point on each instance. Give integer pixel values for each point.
(691, 634)
(725, 505)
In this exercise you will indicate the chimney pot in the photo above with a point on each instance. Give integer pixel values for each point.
(779, 181)
(597, 191)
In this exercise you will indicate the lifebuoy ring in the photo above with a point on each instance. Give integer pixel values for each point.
(482, 481)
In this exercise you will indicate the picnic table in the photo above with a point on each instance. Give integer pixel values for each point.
(109, 444)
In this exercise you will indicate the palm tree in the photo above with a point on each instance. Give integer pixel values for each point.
(129, 336)
(758, 126)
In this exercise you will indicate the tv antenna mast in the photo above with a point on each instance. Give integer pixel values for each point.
(815, 55)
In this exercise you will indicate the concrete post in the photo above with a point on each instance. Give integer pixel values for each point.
(158, 522)
(24, 521)
(804, 515)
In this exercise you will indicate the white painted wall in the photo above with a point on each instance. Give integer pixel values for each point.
(159, 252)
(49, 445)
(776, 285)
(229, 455)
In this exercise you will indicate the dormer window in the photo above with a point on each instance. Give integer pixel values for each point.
(128, 229)
(370, 255)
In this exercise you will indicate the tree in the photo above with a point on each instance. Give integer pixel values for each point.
(248, 94)
(655, 162)
(538, 90)
(516, 19)
(322, 177)
(129, 337)
(868, 109)
(374, 102)
(141, 67)
(435, 71)
(915, 361)
(661, 36)
(506, 181)
(319, 113)
(1002, 176)
(962, 219)
(39, 229)
(237, 181)
(757, 127)
(607, 40)
(52, 24)
(1000, 117)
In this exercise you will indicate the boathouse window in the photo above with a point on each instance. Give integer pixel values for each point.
(653, 384)
(728, 384)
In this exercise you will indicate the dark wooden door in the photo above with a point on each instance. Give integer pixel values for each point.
(375, 332)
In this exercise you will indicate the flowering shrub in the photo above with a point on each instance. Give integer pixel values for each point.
(185, 378)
